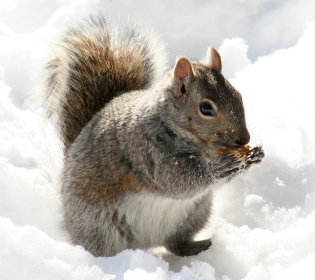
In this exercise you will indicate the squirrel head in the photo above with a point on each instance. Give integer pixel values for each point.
(206, 104)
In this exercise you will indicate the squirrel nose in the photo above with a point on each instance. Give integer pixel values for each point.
(243, 140)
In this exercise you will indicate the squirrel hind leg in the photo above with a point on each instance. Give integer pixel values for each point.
(181, 243)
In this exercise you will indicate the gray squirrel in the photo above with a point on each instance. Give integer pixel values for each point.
(139, 142)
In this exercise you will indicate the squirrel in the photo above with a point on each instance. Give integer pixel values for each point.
(139, 142)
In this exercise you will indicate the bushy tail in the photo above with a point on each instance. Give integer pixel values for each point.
(94, 63)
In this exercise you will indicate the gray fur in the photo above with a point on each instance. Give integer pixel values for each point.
(139, 167)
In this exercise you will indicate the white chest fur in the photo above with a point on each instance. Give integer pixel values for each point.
(153, 218)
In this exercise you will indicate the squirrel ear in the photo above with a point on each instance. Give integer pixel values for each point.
(182, 69)
(182, 75)
(213, 59)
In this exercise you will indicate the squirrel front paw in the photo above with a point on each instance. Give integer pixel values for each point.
(229, 165)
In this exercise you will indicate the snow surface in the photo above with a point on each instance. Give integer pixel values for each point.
(263, 225)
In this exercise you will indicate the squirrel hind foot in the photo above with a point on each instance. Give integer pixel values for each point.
(189, 248)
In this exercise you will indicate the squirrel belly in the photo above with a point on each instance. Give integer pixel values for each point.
(140, 143)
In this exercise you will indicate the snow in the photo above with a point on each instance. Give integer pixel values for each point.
(263, 225)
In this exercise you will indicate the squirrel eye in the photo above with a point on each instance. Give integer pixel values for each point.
(206, 109)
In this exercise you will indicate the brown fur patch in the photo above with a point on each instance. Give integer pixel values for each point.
(109, 192)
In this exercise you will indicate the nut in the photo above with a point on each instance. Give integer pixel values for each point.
(241, 152)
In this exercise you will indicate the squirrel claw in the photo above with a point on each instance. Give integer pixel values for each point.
(256, 156)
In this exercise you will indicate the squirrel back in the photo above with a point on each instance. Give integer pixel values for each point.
(94, 63)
